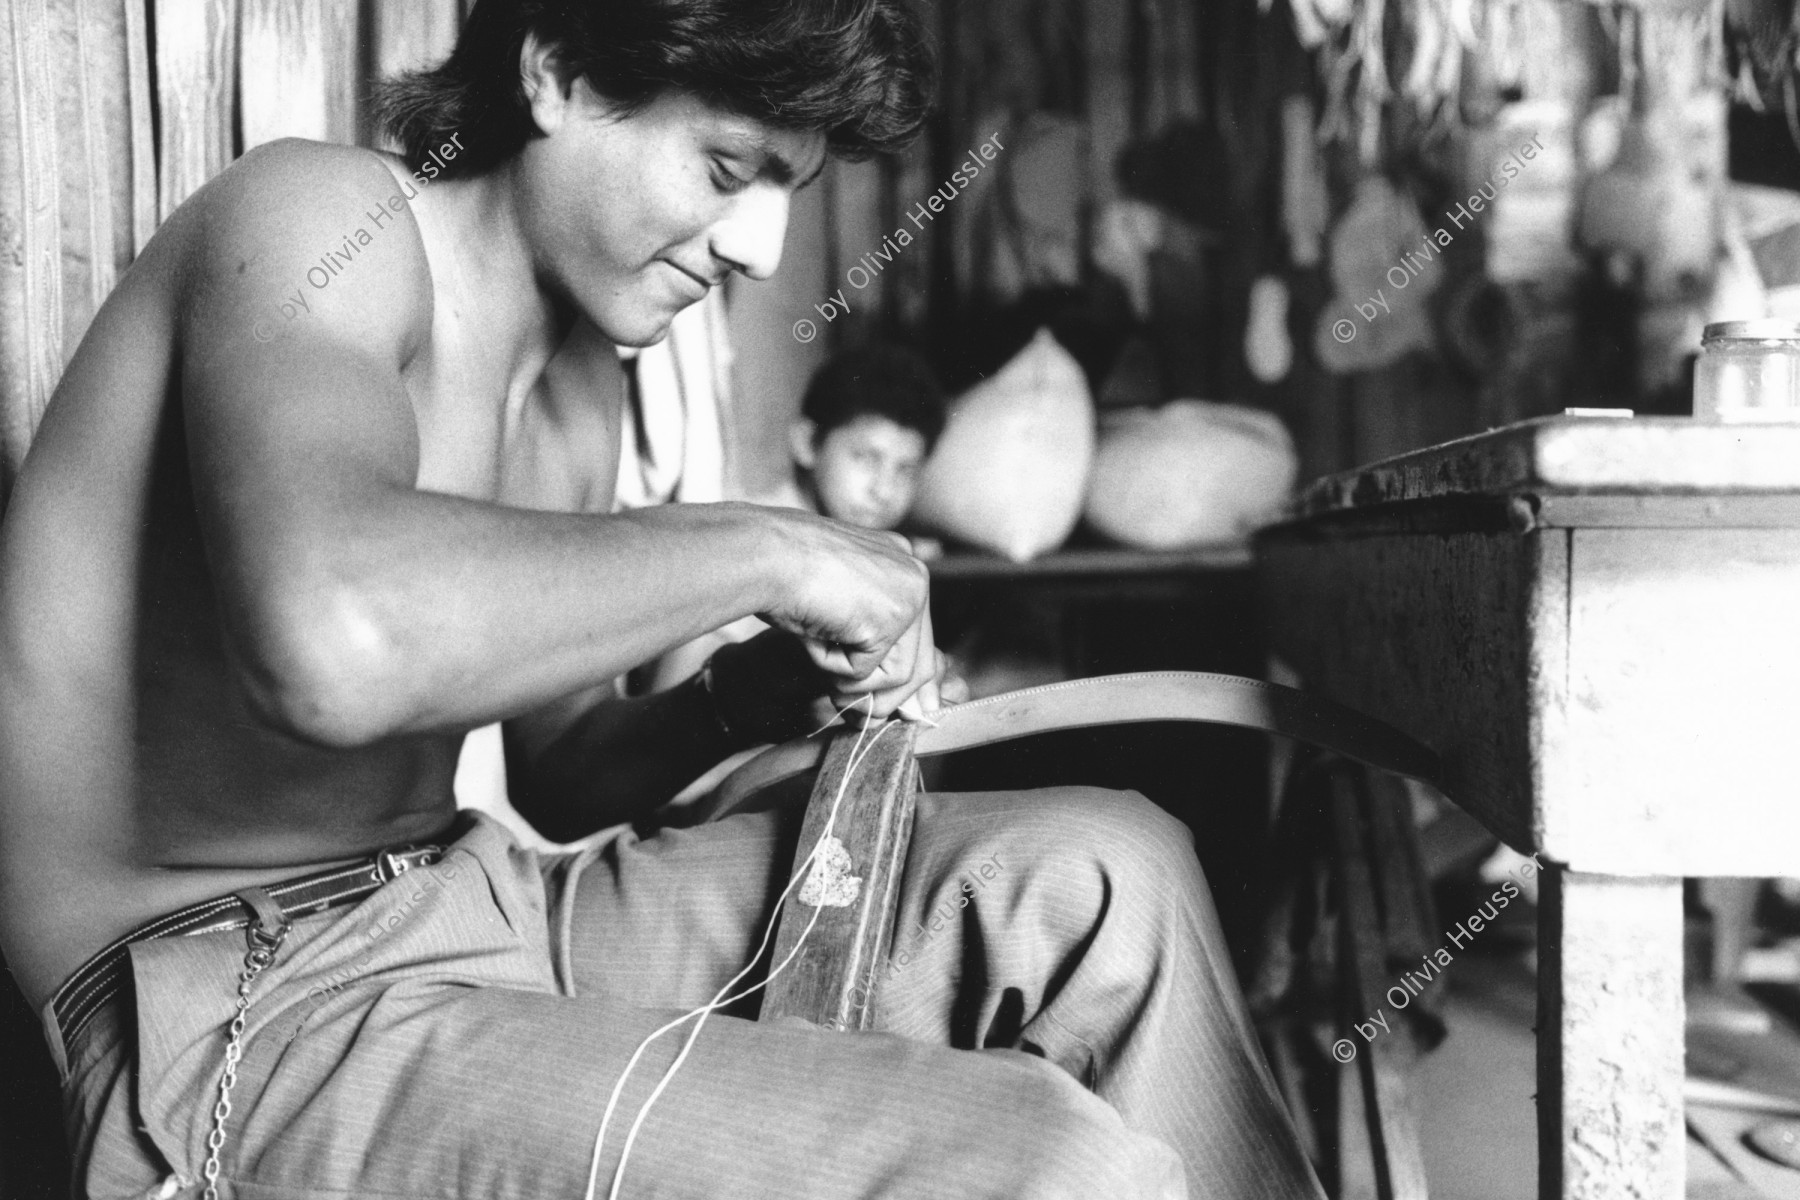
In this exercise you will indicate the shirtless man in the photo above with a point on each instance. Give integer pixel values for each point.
(258, 576)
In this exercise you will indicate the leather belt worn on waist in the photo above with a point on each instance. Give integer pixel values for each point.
(96, 982)
(1118, 700)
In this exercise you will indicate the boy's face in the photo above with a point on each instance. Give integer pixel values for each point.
(865, 472)
(635, 218)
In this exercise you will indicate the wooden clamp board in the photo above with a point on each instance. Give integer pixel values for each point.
(853, 883)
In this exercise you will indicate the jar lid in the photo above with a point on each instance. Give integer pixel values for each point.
(1761, 330)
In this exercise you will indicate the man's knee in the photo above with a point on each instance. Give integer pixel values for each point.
(1118, 840)
(1129, 822)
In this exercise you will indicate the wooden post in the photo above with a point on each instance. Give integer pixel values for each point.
(77, 189)
(92, 38)
(298, 75)
(31, 344)
(105, 162)
(144, 216)
(852, 885)
(196, 57)
(1610, 1028)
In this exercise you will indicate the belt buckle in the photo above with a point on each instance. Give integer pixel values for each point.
(390, 865)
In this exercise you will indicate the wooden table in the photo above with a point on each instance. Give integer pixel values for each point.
(1596, 622)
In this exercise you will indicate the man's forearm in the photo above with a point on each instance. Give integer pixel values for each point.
(448, 613)
(618, 761)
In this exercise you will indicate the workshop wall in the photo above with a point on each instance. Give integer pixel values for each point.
(113, 111)
(1163, 175)
(167, 92)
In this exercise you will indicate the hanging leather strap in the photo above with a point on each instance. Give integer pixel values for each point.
(1116, 700)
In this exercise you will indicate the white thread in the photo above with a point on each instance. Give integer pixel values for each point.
(707, 1009)
(838, 716)
(643, 1113)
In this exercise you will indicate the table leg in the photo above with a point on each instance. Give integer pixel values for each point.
(1610, 1030)
(1732, 902)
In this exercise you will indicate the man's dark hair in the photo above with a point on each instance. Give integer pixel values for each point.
(879, 380)
(860, 71)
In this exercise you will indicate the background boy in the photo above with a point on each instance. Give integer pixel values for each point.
(867, 423)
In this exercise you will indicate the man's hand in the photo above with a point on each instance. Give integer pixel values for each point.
(855, 627)
(911, 681)
(859, 602)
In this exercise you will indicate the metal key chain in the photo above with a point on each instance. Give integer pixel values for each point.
(263, 946)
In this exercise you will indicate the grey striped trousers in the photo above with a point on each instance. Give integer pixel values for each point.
(1064, 1023)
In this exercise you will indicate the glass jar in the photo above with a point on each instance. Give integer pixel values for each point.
(1748, 371)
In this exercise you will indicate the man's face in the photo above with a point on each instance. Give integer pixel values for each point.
(866, 472)
(635, 218)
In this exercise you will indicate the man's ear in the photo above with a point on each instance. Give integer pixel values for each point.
(801, 443)
(546, 91)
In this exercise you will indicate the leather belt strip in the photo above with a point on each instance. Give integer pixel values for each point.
(96, 983)
(1117, 700)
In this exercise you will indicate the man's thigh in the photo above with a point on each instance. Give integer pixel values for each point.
(666, 920)
(669, 919)
(498, 1093)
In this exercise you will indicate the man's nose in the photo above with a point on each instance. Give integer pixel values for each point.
(750, 237)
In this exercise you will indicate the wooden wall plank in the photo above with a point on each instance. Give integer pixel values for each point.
(196, 57)
(141, 147)
(298, 70)
(99, 173)
(90, 97)
(31, 343)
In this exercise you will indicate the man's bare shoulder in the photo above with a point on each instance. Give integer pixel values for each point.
(300, 238)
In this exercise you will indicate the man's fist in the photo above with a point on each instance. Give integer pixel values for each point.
(853, 627)
(850, 594)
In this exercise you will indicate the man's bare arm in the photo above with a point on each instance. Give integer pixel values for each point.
(360, 607)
